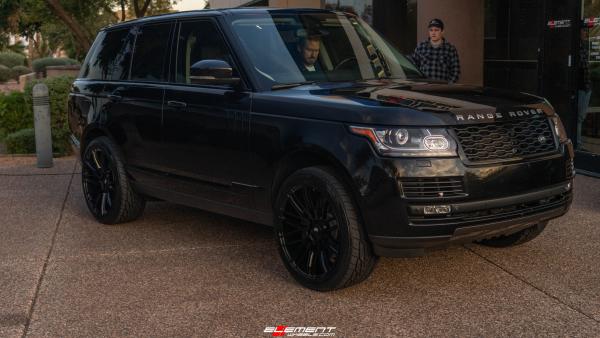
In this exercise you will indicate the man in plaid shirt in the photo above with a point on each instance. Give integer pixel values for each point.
(435, 57)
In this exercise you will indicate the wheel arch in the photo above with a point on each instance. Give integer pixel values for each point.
(93, 131)
(310, 156)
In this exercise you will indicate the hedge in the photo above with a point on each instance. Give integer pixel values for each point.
(14, 113)
(58, 88)
(5, 73)
(21, 142)
(40, 65)
(11, 59)
(19, 70)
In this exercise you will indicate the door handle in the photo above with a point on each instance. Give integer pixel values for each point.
(115, 98)
(176, 104)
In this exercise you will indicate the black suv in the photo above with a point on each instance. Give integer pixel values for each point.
(309, 121)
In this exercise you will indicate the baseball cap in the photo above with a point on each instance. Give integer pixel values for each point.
(436, 23)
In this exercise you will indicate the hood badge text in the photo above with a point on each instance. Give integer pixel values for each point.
(498, 115)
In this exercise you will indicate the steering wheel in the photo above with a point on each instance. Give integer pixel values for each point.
(345, 63)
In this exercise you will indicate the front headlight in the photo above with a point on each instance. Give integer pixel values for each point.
(409, 142)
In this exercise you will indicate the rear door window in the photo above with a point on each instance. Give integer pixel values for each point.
(151, 48)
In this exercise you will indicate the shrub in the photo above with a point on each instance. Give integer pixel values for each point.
(19, 70)
(11, 59)
(58, 88)
(21, 142)
(5, 73)
(14, 113)
(40, 65)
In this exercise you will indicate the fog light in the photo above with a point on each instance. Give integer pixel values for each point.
(437, 210)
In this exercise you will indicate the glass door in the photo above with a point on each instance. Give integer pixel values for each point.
(559, 58)
(587, 135)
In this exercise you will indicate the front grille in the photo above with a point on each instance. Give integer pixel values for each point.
(493, 215)
(432, 187)
(506, 140)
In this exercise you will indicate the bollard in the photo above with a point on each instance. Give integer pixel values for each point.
(43, 134)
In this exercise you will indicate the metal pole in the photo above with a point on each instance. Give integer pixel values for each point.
(43, 134)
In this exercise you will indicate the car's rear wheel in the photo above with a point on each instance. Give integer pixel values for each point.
(109, 195)
(517, 238)
(321, 239)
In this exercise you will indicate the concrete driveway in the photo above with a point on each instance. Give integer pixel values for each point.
(180, 272)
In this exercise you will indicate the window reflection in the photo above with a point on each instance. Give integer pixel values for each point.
(589, 81)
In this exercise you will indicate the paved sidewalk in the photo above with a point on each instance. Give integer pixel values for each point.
(184, 272)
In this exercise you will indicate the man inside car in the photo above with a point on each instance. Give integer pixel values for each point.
(309, 49)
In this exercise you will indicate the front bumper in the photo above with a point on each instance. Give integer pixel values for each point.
(484, 200)
(536, 207)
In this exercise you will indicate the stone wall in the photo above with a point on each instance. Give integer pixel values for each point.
(53, 71)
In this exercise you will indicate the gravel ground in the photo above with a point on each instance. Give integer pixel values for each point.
(183, 272)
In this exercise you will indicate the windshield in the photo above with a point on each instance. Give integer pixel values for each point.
(288, 48)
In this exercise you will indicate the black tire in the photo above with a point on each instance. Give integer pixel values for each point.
(321, 240)
(109, 195)
(517, 238)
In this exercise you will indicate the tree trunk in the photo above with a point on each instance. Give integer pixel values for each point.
(81, 37)
(123, 15)
(140, 12)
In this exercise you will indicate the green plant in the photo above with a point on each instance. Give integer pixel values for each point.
(5, 73)
(11, 59)
(21, 142)
(58, 88)
(40, 65)
(19, 70)
(14, 113)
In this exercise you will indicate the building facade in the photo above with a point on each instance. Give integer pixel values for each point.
(545, 47)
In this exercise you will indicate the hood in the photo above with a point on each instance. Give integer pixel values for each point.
(396, 102)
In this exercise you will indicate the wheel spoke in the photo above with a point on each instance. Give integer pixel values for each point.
(308, 203)
(296, 206)
(323, 260)
(293, 224)
(103, 204)
(95, 158)
(298, 241)
(93, 170)
(310, 263)
(301, 253)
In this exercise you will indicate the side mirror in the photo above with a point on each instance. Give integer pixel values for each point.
(213, 72)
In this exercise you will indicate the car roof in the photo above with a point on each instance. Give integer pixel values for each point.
(209, 13)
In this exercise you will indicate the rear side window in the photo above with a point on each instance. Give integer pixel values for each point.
(197, 41)
(150, 52)
(111, 59)
(90, 68)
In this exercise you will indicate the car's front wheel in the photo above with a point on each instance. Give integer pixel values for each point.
(321, 239)
(109, 195)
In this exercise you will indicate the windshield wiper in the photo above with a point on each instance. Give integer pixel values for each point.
(291, 85)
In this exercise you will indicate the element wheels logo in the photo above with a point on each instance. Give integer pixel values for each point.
(300, 331)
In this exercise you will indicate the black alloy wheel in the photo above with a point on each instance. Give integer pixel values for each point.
(106, 187)
(309, 232)
(99, 181)
(321, 241)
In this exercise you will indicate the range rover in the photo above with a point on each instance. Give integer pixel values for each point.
(310, 122)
